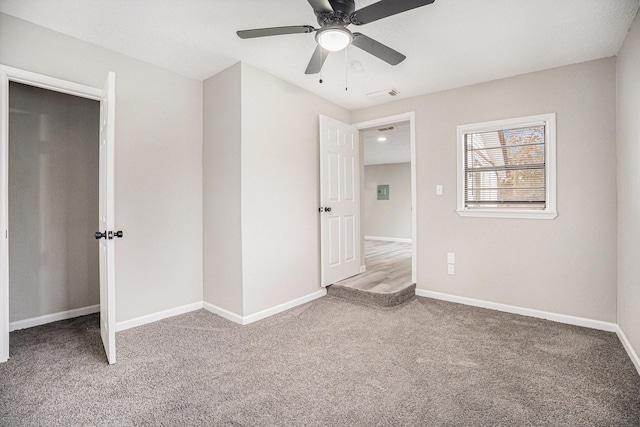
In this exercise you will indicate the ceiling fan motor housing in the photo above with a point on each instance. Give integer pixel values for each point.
(341, 15)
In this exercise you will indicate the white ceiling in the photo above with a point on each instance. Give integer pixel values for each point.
(396, 148)
(448, 44)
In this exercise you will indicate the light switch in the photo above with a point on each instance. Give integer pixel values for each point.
(451, 258)
(451, 269)
(438, 190)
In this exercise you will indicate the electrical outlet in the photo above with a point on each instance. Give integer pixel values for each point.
(451, 258)
(451, 269)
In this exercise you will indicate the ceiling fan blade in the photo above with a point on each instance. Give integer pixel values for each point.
(322, 6)
(385, 8)
(275, 31)
(377, 49)
(317, 60)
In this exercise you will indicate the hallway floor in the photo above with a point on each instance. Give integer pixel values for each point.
(388, 268)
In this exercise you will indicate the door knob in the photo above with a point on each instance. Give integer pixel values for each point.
(108, 234)
(327, 209)
(321, 209)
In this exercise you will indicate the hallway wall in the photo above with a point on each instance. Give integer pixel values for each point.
(387, 218)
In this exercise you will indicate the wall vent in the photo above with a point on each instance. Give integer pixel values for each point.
(386, 93)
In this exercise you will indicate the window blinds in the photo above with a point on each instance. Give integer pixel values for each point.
(506, 168)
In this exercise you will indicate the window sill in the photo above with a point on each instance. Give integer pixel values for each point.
(504, 213)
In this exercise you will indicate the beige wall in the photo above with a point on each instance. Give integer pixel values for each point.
(160, 183)
(53, 202)
(280, 189)
(158, 163)
(261, 185)
(628, 133)
(566, 265)
(221, 190)
(387, 218)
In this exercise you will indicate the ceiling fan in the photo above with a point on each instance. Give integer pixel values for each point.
(333, 17)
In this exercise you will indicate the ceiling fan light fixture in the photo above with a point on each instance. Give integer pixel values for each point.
(334, 39)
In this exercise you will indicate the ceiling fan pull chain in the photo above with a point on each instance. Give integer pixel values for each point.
(321, 62)
(346, 70)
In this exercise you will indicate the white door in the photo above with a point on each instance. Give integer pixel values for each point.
(106, 218)
(339, 200)
(4, 214)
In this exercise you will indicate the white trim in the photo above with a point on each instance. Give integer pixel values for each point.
(363, 268)
(627, 346)
(223, 313)
(550, 212)
(411, 117)
(264, 313)
(283, 307)
(556, 317)
(507, 213)
(388, 239)
(51, 83)
(54, 317)
(154, 317)
(4, 216)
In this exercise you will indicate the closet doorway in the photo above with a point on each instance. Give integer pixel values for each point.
(57, 192)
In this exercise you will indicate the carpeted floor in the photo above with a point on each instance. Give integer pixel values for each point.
(327, 363)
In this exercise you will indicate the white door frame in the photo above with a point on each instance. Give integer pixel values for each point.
(410, 117)
(10, 74)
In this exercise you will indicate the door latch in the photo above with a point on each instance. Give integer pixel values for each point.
(108, 234)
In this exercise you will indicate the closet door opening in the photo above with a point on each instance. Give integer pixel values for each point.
(53, 189)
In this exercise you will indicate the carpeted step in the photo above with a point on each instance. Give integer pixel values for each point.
(375, 296)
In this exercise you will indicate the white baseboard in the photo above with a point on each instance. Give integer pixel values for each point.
(245, 320)
(363, 268)
(48, 318)
(285, 306)
(223, 313)
(388, 239)
(627, 346)
(154, 317)
(561, 318)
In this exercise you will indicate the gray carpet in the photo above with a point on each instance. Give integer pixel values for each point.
(330, 362)
(374, 298)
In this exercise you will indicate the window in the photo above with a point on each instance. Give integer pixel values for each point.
(506, 168)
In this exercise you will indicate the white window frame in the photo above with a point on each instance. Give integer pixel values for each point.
(550, 212)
